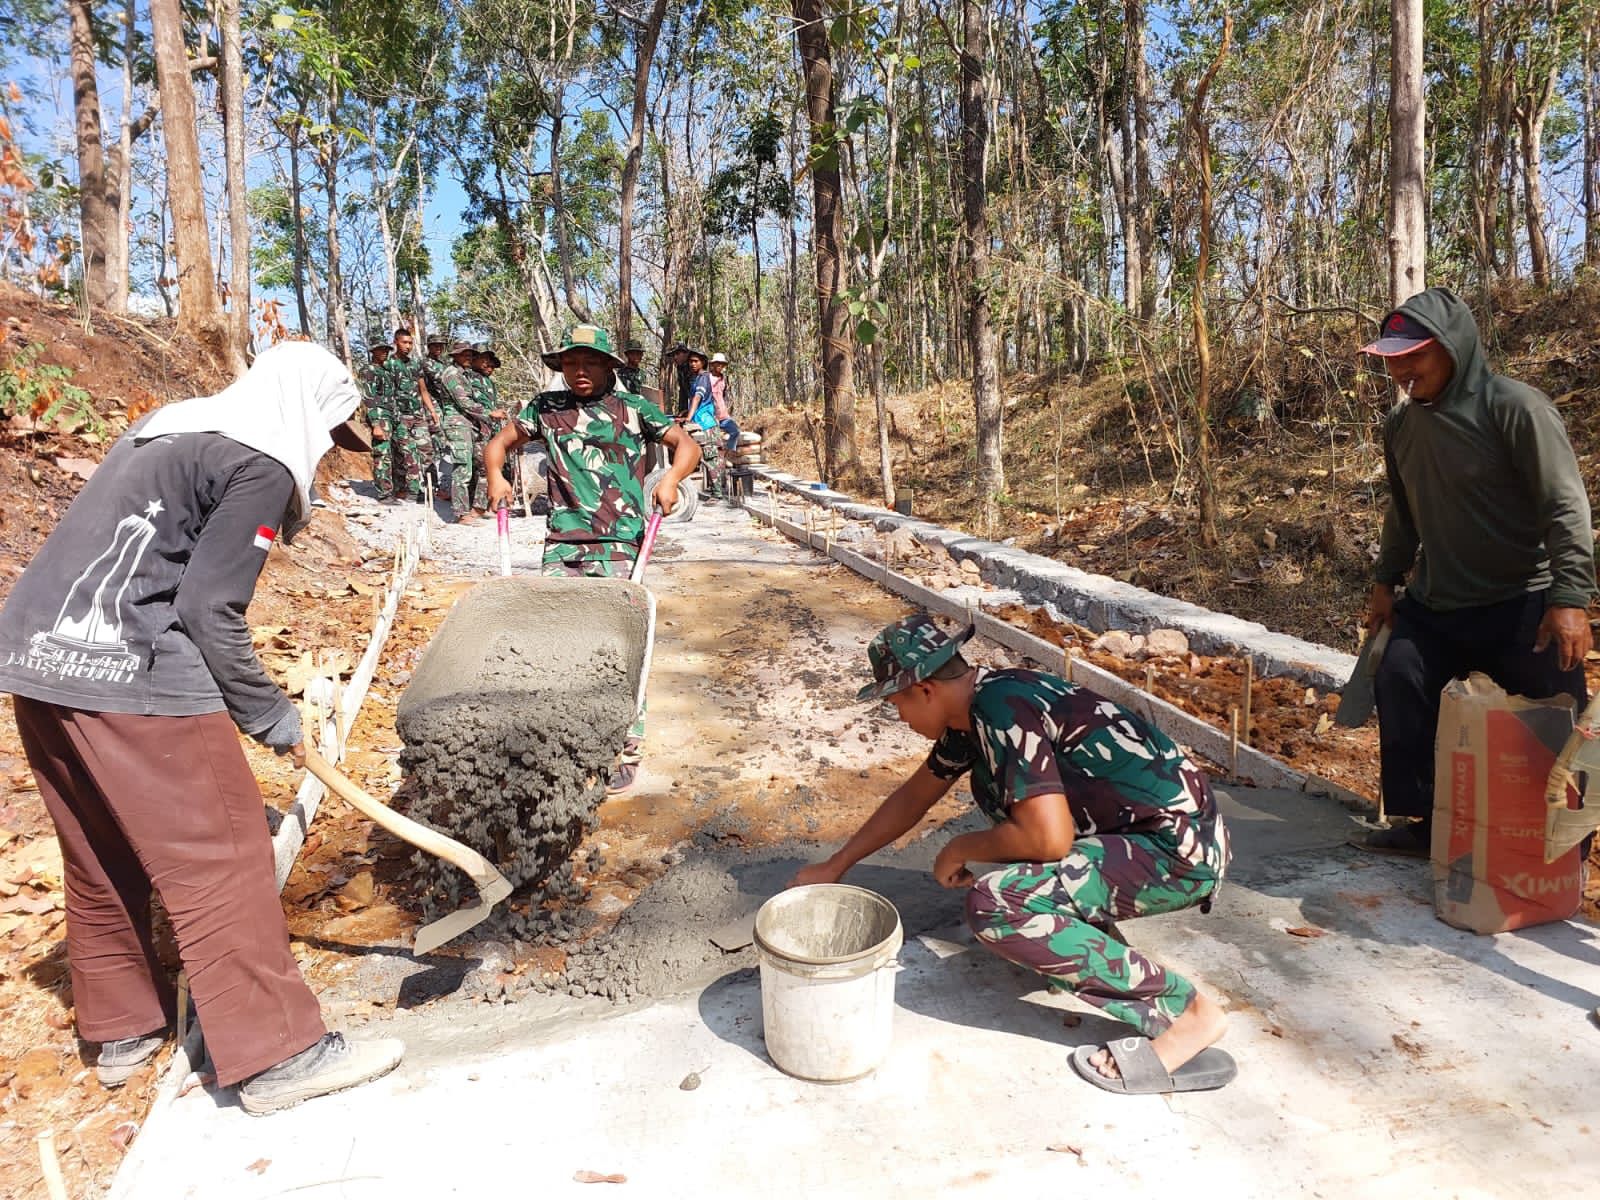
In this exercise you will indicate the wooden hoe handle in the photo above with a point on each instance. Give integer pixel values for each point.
(483, 872)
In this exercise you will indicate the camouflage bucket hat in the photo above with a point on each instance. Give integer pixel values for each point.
(908, 652)
(584, 337)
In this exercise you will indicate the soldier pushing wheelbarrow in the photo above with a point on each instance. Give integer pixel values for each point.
(595, 434)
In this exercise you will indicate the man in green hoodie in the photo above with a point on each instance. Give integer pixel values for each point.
(1488, 528)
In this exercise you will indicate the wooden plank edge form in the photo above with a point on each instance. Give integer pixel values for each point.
(1254, 766)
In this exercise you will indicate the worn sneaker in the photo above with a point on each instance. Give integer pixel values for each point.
(332, 1065)
(1413, 839)
(623, 778)
(120, 1059)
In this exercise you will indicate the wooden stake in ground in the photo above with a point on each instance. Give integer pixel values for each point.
(1233, 750)
(1249, 685)
(50, 1166)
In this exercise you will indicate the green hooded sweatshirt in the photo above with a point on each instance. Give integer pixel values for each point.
(1486, 502)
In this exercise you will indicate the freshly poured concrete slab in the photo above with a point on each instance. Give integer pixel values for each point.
(1383, 1055)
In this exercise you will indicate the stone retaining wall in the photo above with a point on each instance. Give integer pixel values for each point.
(1096, 601)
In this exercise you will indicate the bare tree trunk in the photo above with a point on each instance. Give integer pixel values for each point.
(1591, 149)
(297, 201)
(991, 479)
(1200, 137)
(1408, 233)
(791, 282)
(419, 308)
(95, 215)
(199, 313)
(232, 60)
(827, 232)
(118, 251)
(329, 153)
(643, 55)
(391, 277)
(1143, 197)
(384, 192)
(1533, 106)
(1124, 166)
(162, 211)
(558, 212)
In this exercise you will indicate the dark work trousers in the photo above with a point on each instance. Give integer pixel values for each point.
(170, 802)
(1427, 649)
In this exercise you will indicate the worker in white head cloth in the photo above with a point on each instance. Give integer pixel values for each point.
(125, 648)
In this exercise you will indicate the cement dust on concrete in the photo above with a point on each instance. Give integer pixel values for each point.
(1391, 1058)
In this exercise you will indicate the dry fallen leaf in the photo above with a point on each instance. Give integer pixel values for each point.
(81, 467)
(25, 903)
(259, 1167)
(1063, 1148)
(596, 1177)
(1305, 931)
(123, 1134)
(1324, 723)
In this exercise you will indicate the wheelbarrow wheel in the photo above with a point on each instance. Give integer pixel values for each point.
(688, 497)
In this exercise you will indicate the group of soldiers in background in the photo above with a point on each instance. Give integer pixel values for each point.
(441, 409)
(438, 408)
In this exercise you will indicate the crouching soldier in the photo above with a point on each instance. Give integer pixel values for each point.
(1097, 817)
(595, 436)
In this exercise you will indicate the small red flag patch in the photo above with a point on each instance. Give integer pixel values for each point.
(265, 535)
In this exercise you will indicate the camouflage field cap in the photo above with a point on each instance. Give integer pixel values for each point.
(584, 337)
(462, 348)
(907, 652)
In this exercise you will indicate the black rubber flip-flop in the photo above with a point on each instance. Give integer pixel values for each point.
(1143, 1075)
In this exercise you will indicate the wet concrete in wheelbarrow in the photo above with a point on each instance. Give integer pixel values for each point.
(753, 742)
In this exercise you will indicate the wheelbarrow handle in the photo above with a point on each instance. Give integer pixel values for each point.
(652, 528)
(502, 521)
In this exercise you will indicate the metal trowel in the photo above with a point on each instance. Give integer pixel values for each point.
(1356, 701)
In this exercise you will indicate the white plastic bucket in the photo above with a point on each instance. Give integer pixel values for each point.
(827, 954)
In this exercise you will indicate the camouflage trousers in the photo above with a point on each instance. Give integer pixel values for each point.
(572, 561)
(383, 457)
(414, 450)
(1053, 917)
(469, 486)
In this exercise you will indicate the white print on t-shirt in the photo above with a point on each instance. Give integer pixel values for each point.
(87, 640)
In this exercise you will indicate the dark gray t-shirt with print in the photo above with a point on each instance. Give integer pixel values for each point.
(136, 601)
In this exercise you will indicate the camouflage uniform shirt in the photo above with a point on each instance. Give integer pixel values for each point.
(486, 394)
(596, 448)
(432, 368)
(403, 375)
(1034, 734)
(458, 392)
(374, 383)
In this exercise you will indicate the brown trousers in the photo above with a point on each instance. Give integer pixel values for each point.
(169, 802)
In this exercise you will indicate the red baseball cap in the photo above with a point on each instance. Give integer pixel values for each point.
(1401, 335)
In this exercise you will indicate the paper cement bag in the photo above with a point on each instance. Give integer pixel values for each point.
(1492, 759)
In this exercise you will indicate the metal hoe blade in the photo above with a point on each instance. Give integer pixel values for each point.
(492, 886)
